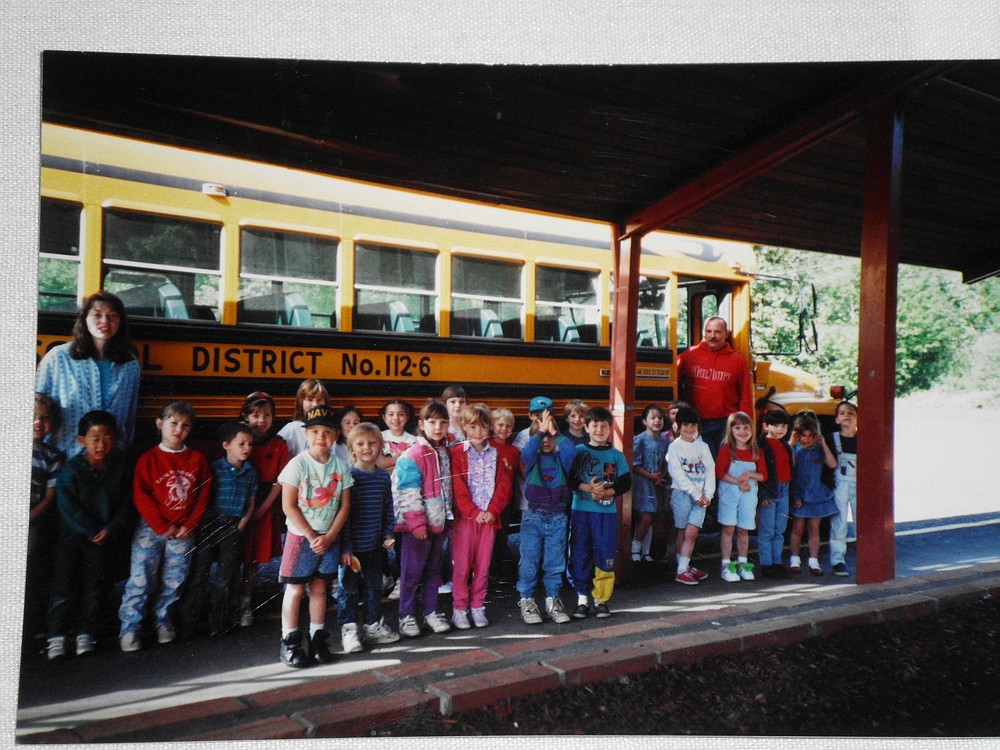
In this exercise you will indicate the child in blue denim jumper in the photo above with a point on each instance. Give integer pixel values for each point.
(773, 494)
(739, 468)
(811, 500)
(548, 461)
(649, 463)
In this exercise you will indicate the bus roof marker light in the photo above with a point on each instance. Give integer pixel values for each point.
(214, 190)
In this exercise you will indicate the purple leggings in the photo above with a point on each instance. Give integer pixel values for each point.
(420, 563)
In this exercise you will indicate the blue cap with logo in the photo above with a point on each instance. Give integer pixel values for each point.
(539, 403)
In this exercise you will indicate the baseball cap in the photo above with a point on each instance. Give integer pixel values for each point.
(321, 415)
(540, 403)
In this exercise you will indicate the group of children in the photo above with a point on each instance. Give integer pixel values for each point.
(336, 497)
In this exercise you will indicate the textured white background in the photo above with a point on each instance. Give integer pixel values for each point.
(489, 31)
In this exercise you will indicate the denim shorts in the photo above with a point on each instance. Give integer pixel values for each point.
(299, 564)
(686, 510)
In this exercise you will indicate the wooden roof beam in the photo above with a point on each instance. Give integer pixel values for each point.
(781, 146)
(983, 269)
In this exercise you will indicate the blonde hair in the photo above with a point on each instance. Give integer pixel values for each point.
(576, 405)
(476, 414)
(364, 428)
(311, 388)
(741, 417)
(501, 413)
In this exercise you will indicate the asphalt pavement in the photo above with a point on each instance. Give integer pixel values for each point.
(233, 687)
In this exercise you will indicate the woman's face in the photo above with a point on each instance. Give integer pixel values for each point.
(103, 323)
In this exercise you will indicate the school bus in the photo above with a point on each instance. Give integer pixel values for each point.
(240, 275)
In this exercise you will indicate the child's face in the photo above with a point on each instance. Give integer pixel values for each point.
(238, 449)
(311, 402)
(599, 432)
(654, 421)
(689, 431)
(476, 433)
(776, 431)
(174, 430)
(435, 428)
(847, 418)
(42, 425)
(349, 421)
(455, 405)
(742, 433)
(260, 421)
(366, 448)
(548, 443)
(806, 438)
(395, 418)
(503, 428)
(320, 439)
(576, 421)
(98, 443)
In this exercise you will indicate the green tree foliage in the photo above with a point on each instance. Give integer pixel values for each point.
(938, 317)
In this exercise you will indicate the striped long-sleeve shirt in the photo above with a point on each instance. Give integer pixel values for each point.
(371, 519)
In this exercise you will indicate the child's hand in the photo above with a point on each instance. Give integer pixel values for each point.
(798, 503)
(485, 517)
(389, 542)
(765, 503)
(184, 532)
(420, 534)
(345, 559)
(320, 544)
(244, 522)
(171, 532)
(704, 502)
(100, 537)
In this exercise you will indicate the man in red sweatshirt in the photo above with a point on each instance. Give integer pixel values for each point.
(716, 381)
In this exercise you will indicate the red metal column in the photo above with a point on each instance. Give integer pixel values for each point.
(877, 343)
(622, 397)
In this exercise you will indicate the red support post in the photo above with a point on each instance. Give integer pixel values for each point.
(877, 343)
(622, 396)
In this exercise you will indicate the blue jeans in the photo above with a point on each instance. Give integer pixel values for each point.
(365, 587)
(146, 575)
(846, 493)
(773, 522)
(543, 543)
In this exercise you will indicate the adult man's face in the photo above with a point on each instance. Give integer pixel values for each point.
(715, 334)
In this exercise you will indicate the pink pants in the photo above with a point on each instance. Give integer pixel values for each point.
(471, 550)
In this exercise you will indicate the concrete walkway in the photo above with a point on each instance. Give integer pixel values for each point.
(654, 624)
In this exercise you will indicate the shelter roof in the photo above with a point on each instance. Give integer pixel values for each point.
(766, 153)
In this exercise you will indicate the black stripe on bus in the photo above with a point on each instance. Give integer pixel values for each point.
(186, 183)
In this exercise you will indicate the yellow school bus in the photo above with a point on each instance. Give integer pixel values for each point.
(240, 275)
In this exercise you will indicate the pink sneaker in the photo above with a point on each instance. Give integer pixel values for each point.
(700, 575)
(687, 578)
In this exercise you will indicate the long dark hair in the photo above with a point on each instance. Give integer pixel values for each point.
(119, 348)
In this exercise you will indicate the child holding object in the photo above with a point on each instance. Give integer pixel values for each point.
(316, 498)
(692, 475)
(739, 468)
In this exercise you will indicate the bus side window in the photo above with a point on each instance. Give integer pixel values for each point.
(288, 278)
(395, 289)
(486, 296)
(565, 299)
(160, 265)
(58, 255)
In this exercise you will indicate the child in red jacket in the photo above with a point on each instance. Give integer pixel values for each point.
(482, 480)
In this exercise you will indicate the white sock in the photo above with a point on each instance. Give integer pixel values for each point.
(725, 561)
(647, 540)
(741, 559)
(813, 562)
(636, 546)
(314, 627)
(683, 563)
(581, 599)
(795, 561)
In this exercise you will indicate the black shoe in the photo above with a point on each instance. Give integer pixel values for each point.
(581, 611)
(292, 654)
(840, 570)
(601, 610)
(320, 651)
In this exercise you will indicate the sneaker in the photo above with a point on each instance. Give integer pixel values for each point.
(794, 569)
(601, 610)
(57, 647)
(816, 571)
(729, 574)
(581, 611)
(555, 610)
(840, 570)
(460, 619)
(84, 644)
(291, 653)
(409, 627)
(437, 622)
(529, 611)
(130, 641)
(648, 558)
(445, 588)
(394, 594)
(319, 647)
(387, 583)
(699, 575)
(166, 634)
(746, 571)
(379, 633)
(479, 618)
(687, 578)
(349, 640)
